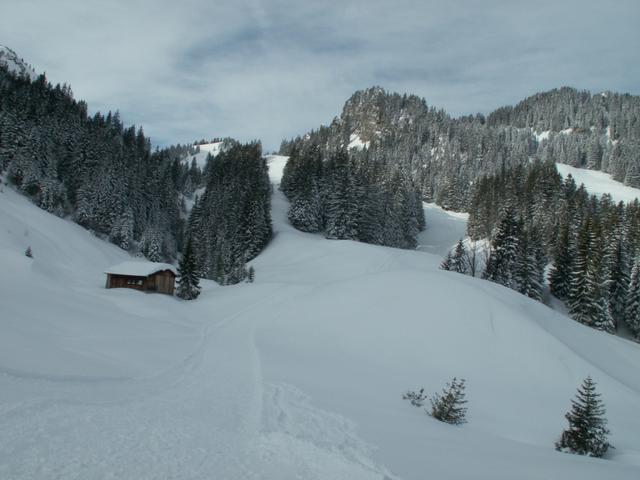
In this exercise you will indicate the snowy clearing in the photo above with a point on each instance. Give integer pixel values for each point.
(298, 375)
(444, 229)
(201, 156)
(599, 183)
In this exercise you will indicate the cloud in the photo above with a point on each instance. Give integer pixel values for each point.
(273, 69)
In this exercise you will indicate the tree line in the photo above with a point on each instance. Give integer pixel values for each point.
(534, 218)
(106, 177)
(445, 156)
(348, 197)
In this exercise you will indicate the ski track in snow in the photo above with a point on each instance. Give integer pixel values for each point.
(204, 417)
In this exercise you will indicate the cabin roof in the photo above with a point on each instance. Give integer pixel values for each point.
(134, 268)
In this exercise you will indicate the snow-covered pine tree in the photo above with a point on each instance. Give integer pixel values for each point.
(589, 301)
(530, 265)
(449, 406)
(188, 278)
(342, 207)
(617, 271)
(305, 213)
(459, 259)
(505, 248)
(231, 222)
(577, 293)
(632, 306)
(122, 230)
(560, 274)
(446, 263)
(151, 244)
(587, 432)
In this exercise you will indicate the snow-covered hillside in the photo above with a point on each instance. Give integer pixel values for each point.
(15, 64)
(599, 183)
(298, 375)
(204, 150)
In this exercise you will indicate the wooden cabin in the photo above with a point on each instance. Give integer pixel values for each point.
(143, 276)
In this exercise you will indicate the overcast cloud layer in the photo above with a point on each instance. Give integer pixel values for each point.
(272, 69)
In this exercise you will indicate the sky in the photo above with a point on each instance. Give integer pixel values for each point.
(269, 70)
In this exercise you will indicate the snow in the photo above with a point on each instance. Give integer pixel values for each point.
(10, 59)
(540, 136)
(444, 229)
(201, 157)
(356, 142)
(298, 375)
(135, 268)
(598, 183)
(276, 165)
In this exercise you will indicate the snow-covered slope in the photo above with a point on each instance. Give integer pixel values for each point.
(444, 229)
(10, 59)
(205, 150)
(298, 375)
(58, 322)
(599, 183)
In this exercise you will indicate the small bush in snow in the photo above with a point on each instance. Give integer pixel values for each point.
(417, 399)
(251, 275)
(449, 406)
(28, 252)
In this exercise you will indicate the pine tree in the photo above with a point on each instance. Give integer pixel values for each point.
(449, 406)
(342, 208)
(460, 259)
(502, 263)
(305, 211)
(251, 274)
(587, 432)
(446, 263)
(617, 271)
(560, 274)
(188, 279)
(632, 304)
(530, 265)
(589, 301)
(416, 398)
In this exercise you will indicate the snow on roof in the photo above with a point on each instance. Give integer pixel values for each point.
(135, 268)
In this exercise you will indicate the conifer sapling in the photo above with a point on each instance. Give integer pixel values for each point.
(417, 399)
(587, 432)
(449, 406)
(189, 282)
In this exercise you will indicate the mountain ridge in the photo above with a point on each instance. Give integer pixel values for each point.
(446, 154)
(15, 64)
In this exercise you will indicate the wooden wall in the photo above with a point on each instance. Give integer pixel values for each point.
(162, 282)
